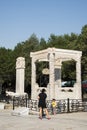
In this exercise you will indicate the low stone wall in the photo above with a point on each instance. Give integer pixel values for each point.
(8, 106)
(2, 105)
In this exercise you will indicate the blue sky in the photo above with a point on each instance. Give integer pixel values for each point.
(19, 19)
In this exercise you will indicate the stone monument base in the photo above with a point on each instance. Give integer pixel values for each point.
(20, 111)
(13, 94)
(2, 105)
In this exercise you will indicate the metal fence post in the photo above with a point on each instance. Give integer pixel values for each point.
(26, 101)
(13, 103)
(68, 109)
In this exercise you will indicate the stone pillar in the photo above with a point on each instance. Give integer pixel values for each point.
(33, 79)
(78, 70)
(57, 77)
(78, 78)
(51, 76)
(58, 73)
(20, 73)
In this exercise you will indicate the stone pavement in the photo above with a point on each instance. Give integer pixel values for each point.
(66, 121)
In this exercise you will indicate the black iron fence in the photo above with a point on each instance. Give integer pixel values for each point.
(63, 105)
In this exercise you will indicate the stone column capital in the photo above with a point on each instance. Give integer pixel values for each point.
(20, 63)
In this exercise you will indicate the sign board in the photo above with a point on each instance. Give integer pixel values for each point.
(45, 71)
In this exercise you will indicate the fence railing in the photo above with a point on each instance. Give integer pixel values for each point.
(63, 105)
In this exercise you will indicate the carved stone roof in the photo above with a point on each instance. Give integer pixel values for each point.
(63, 54)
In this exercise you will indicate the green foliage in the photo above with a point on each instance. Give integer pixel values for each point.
(7, 73)
(43, 44)
(69, 70)
(84, 34)
(73, 42)
(30, 45)
(56, 41)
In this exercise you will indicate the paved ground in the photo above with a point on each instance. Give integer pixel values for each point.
(68, 121)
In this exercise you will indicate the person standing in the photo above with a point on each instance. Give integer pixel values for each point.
(42, 104)
(54, 106)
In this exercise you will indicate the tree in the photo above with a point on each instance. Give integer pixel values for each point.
(43, 44)
(84, 34)
(82, 40)
(6, 66)
(30, 45)
(69, 70)
(73, 42)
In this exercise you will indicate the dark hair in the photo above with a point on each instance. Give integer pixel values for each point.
(43, 90)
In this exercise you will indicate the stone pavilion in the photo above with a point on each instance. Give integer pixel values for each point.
(55, 57)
